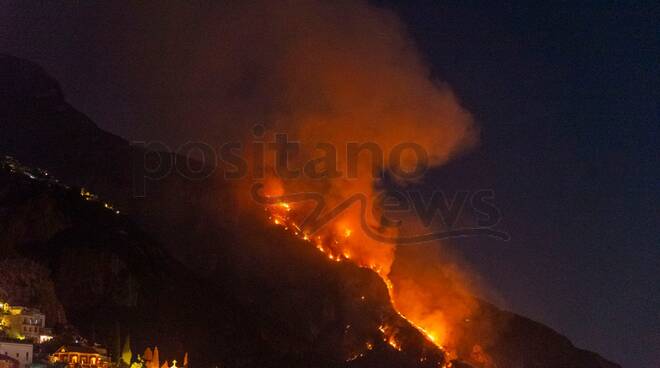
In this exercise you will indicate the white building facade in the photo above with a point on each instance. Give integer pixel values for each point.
(19, 351)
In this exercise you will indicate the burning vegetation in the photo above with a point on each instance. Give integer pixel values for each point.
(336, 73)
(337, 246)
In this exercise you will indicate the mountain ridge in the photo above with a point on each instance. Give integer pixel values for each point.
(42, 130)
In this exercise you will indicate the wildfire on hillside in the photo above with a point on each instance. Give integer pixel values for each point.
(336, 245)
(322, 86)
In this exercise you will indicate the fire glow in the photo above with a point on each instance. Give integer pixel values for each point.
(365, 87)
(336, 247)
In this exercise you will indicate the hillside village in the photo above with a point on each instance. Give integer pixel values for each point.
(25, 342)
(30, 338)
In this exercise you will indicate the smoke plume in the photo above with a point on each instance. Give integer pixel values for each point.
(327, 72)
(320, 71)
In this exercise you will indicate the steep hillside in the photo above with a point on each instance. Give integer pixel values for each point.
(236, 291)
(42, 130)
(107, 272)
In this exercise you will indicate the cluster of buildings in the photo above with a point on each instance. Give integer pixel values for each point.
(21, 327)
(20, 355)
(25, 324)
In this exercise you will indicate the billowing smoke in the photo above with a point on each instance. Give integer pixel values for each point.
(320, 71)
(328, 72)
(336, 72)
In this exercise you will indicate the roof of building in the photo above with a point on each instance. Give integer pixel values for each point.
(7, 357)
(14, 341)
(76, 349)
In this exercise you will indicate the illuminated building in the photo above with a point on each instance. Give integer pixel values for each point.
(80, 356)
(24, 323)
(20, 352)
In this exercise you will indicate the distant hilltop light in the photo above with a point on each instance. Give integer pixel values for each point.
(14, 166)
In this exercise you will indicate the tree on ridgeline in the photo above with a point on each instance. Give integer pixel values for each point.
(155, 362)
(126, 353)
(148, 356)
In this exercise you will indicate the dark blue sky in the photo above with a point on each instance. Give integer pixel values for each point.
(567, 99)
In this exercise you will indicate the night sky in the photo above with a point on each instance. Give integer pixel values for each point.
(567, 99)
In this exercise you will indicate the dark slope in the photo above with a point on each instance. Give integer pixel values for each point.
(41, 129)
(285, 304)
(107, 271)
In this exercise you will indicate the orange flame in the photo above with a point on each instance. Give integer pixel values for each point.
(435, 330)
